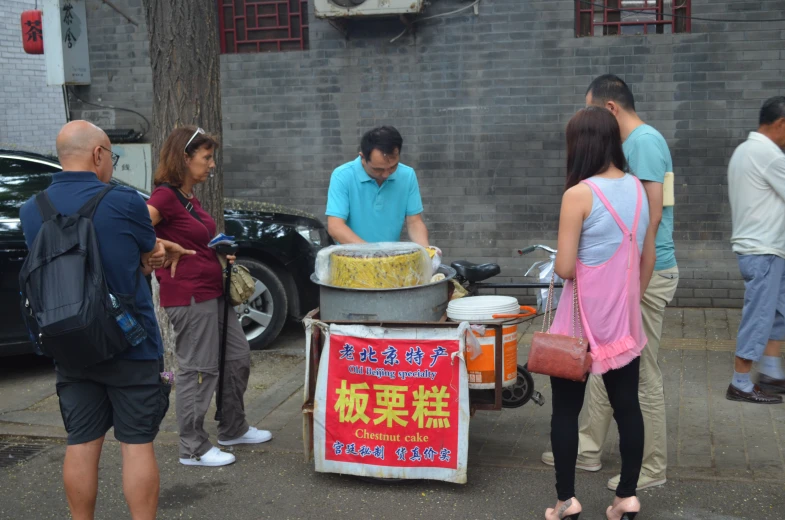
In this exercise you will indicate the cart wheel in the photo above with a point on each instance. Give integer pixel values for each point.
(521, 392)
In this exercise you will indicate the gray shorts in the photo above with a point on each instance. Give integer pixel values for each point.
(763, 317)
(124, 393)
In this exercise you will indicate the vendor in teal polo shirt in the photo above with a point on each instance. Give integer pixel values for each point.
(371, 197)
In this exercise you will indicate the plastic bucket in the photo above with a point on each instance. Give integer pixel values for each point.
(480, 310)
(482, 369)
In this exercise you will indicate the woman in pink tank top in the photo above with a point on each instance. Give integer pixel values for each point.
(609, 302)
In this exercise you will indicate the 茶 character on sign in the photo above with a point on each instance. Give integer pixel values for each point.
(391, 356)
(401, 453)
(368, 355)
(347, 352)
(351, 404)
(34, 31)
(350, 449)
(365, 451)
(444, 455)
(431, 404)
(416, 457)
(414, 355)
(68, 18)
(437, 353)
(338, 447)
(429, 453)
(390, 401)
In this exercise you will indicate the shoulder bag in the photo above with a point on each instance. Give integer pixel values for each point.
(242, 284)
(557, 355)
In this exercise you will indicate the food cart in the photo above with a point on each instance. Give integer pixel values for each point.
(387, 393)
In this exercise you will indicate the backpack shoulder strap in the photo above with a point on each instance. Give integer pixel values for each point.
(45, 206)
(88, 210)
(185, 202)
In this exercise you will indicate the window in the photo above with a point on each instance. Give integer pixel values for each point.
(263, 25)
(20, 179)
(629, 17)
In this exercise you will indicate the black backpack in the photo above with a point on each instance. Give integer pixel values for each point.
(65, 299)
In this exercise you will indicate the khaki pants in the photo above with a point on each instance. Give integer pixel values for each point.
(199, 327)
(595, 422)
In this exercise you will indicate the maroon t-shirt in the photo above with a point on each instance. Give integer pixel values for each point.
(198, 276)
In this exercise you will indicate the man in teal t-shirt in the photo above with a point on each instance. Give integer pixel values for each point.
(649, 159)
(371, 197)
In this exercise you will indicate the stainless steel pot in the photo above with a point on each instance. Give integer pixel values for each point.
(420, 303)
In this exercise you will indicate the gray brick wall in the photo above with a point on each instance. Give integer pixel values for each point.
(119, 64)
(482, 102)
(31, 113)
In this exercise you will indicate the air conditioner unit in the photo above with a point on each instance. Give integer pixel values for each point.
(362, 8)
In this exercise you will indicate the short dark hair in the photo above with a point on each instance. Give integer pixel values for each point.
(593, 144)
(386, 139)
(610, 87)
(772, 109)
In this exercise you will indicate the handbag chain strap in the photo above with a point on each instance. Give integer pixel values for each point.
(576, 310)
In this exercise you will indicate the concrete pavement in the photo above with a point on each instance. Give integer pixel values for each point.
(270, 484)
(709, 437)
(726, 458)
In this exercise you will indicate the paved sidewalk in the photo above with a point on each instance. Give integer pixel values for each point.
(709, 438)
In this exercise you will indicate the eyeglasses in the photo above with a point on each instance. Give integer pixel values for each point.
(198, 131)
(115, 157)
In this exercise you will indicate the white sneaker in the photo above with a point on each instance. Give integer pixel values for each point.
(644, 482)
(214, 457)
(252, 436)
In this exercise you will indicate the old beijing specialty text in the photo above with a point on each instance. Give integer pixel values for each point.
(392, 402)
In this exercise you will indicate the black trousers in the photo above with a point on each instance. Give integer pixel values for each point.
(622, 386)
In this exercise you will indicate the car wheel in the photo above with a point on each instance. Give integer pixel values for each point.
(264, 314)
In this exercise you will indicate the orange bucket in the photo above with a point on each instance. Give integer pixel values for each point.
(479, 310)
(482, 369)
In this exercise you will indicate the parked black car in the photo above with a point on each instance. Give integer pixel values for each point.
(277, 244)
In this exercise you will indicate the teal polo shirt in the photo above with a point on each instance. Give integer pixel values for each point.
(649, 159)
(375, 213)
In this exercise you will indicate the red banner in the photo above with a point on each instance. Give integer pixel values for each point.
(392, 402)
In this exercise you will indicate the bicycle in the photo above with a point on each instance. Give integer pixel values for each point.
(472, 278)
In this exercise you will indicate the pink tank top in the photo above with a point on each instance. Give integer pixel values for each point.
(609, 298)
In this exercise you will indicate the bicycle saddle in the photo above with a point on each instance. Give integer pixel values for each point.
(472, 272)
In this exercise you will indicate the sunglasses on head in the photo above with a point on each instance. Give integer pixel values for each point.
(198, 131)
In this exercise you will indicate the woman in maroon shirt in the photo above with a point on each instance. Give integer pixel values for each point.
(192, 295)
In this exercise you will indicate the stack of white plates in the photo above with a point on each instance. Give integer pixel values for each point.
(481, 308)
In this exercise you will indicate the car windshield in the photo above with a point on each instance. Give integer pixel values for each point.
(22, 177)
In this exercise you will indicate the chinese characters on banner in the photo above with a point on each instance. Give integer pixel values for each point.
(395, 403)
(68, 19)
(64, 28)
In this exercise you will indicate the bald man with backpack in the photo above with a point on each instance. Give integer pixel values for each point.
(88, 306)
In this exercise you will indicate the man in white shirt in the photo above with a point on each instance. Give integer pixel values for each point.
(756, 185)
